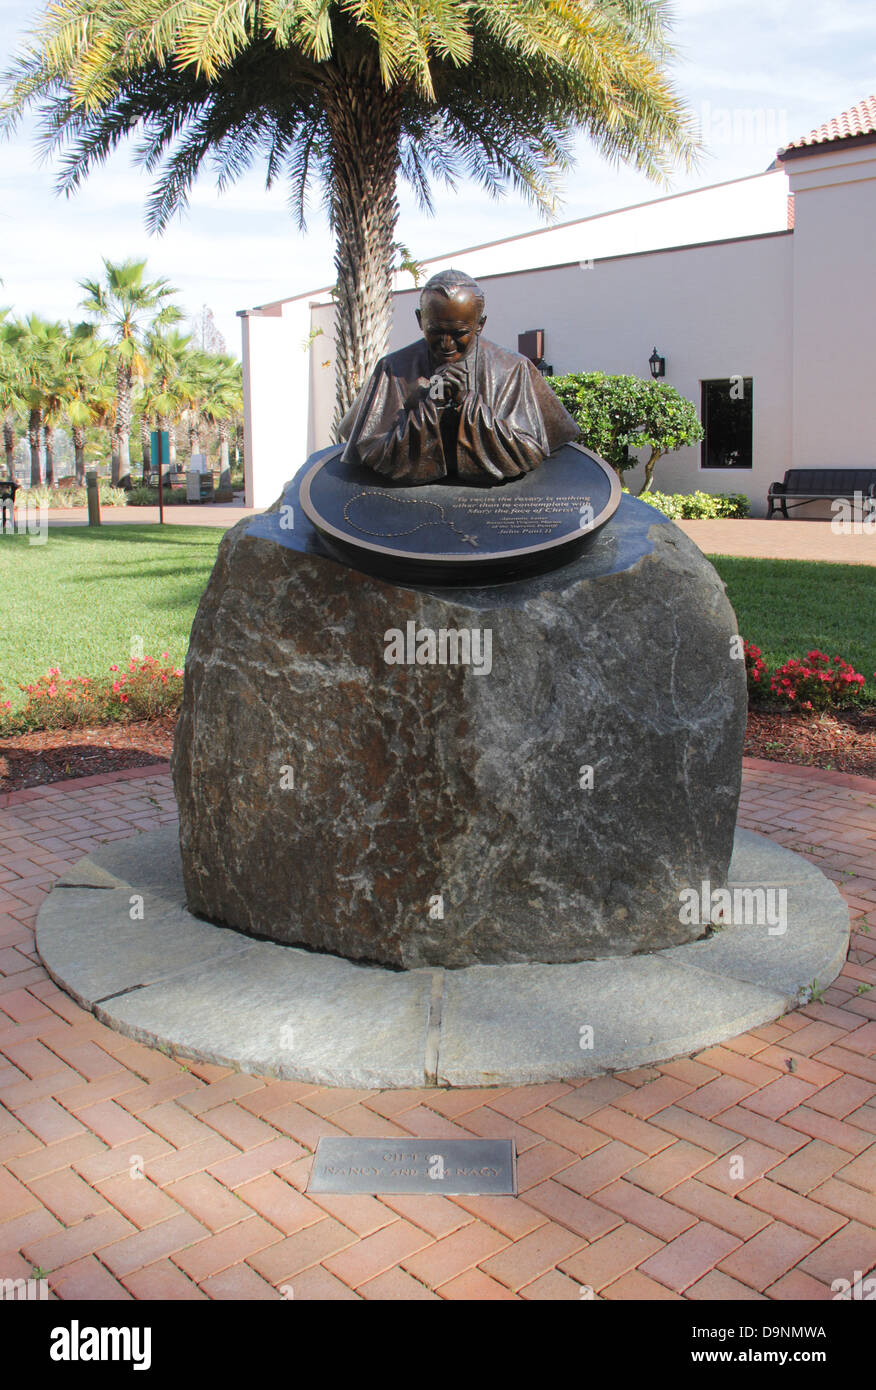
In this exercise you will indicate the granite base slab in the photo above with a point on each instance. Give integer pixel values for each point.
(116, 934)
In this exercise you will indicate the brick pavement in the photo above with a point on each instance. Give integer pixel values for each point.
(747, 1171)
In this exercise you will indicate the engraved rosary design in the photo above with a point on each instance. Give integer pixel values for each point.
(441, 519)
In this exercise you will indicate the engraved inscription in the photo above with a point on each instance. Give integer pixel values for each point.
(458, 1166)
(522, 515)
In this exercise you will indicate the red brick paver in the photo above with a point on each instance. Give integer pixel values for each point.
(747, 1171)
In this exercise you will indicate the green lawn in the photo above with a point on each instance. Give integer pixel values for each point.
(79, 601)
(787, 607)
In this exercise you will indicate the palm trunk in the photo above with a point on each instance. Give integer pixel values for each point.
(124, 460)
(171, 444)
(364, 124)
(9, 444)
(194, 433)
(49, 441)
(124, 412)
(145, 447)
(114, 457)
(224, 465)
(79, 452)
(34, 424)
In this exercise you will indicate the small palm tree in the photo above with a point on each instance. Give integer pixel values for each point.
(164, 396)
(55, 385)
(101, 412)
(355, 93)
(87, 389)
(128, 308)
(193, 387)
(37, 343)
(223, 401)
(11, 403)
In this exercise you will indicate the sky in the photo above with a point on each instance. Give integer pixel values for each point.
(755, 73)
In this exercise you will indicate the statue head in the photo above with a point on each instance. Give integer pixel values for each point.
(451, 315)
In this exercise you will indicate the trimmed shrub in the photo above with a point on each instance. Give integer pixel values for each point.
(619, 413)
(148, 497)
(693, 506)
(70, 496)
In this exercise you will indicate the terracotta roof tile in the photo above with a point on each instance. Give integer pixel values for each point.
(860, 119)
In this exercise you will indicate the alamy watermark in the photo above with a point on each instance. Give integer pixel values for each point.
(25, 1290)
(743, 125)
(854, 516)
(31, 521)
(857, 1289)
(448, 646)
(734, 907)
(78, 1343)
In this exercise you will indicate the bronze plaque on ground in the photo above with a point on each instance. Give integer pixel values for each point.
(452, 1167)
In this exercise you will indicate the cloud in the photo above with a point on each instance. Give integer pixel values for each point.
(803, 64)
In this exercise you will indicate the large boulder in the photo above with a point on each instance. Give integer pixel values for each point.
(550, 808)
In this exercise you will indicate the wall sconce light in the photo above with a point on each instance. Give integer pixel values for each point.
(531, 345)
(657, 364)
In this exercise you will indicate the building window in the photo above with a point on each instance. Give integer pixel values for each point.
(727, 417)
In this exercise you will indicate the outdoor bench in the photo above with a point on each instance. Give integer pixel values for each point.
(802, 485)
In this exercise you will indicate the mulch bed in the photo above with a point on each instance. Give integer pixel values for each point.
(842, 742)
(839, 742)
(54, 755)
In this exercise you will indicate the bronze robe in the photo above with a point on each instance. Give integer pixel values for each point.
(507, 422)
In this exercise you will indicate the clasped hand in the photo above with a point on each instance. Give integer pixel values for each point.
(444, 388)
(449, 386)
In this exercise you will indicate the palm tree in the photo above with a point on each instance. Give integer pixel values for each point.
(130, 308)
(38, 344)
(55, 384)
(87, 389)
(223, 401)
(161, 401)
(192, 386)
(165, 395)
(10, 395)
(355, 93)
(101, 412)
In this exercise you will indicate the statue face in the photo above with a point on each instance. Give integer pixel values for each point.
(450, 326)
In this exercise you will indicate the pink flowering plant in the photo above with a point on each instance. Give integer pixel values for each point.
(818, 682)
(149, 686)
(756, 672)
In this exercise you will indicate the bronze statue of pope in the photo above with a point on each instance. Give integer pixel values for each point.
(453, 405)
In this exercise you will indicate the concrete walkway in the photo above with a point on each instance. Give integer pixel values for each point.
(745, 1172)
(782, 540)
(778, 540)
(223, 514)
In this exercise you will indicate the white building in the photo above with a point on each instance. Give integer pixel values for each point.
(769, 279)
